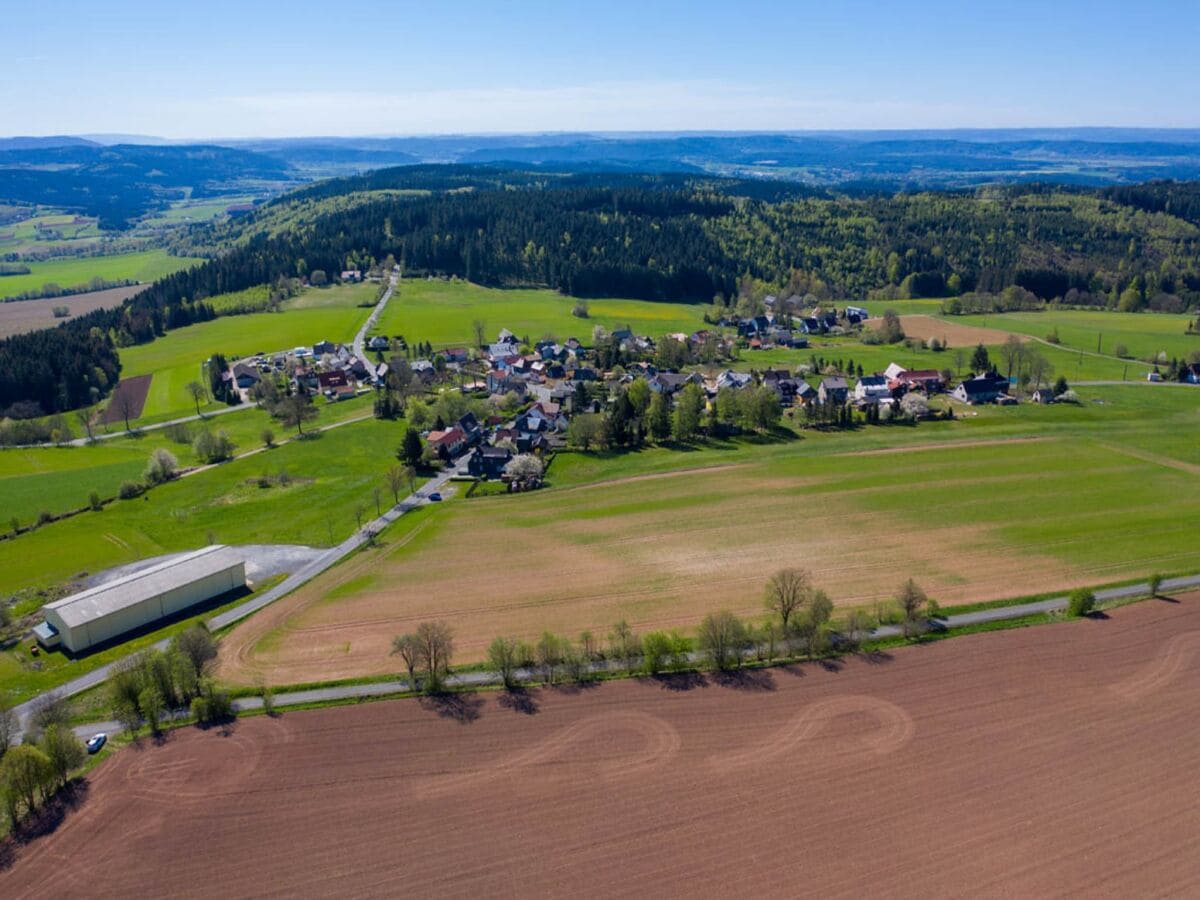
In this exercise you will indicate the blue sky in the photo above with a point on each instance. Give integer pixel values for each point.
(250, 68)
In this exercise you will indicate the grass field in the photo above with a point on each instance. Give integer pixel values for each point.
(25, 236)
(175, 359)
(58, 479)
(330, 475)
(145, 266)
(1144, 335)
(982, 508)
(441, 312)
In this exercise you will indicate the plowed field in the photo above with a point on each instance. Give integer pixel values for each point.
(1046, 761)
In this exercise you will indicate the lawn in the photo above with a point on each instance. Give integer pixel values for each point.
(999, 503)
(330, 475)
(176, 358)
(145, 266)
(1144, 335)
(441, 312)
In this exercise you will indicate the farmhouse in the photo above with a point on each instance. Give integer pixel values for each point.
(986, 388)
(833, 389)
(448, 443)
(245, 375)
(109, 610)
(489, 462)
(871, 389)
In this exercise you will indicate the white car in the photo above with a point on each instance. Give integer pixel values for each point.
(96, 741)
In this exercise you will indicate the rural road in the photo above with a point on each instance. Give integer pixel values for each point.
(479, 679)
(309, 570)
(361, 338)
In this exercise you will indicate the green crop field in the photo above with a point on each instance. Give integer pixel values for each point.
(176, 359)
(330, 475)
(441, 312)
(1145, 335)
(145, 266)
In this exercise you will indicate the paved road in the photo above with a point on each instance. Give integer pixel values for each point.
(361, 337)
(301, 576)
(479, 679)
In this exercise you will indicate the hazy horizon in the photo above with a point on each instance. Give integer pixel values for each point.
(242, 71)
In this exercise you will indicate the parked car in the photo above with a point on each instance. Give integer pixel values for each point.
(435, 497)
(96, 741)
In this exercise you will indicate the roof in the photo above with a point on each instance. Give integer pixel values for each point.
(833, 383)
(130, 590)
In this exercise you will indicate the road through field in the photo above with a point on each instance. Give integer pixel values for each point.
(1035, 762)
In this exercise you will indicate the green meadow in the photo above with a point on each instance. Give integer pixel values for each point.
(442, 312)
(330, 474)
(176, 358)
(1144, 335)
(144, 266)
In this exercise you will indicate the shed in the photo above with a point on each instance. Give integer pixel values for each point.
(142, 598)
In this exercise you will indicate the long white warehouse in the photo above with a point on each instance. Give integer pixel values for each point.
(133, 601)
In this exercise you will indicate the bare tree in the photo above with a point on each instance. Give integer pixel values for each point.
(722, 638)
(47, 710)
(624, 644)
(395, 481)
(478, 329)
(296, 410)
(436, 646)
(126, 406)
(549, 654)
(410, 475)
(912, 601)
(198, 647)
(787, 592)
(87, 418)
(198, 393)
(408, 649)
(1011, 351)
(377, 495)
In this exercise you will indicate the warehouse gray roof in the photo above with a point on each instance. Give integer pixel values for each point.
(130, 590)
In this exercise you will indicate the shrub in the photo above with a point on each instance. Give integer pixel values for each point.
(1081, 602)
(162, 467)
(44, 517)
(1156, 581)
(179, 433)
(1068, 396)
(130, 489)
(94, 501)
(1121, 350)
(580, 309)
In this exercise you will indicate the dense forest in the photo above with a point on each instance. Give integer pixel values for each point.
(656, 237)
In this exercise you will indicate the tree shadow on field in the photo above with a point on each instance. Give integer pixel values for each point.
(876, 657)
(832, 664)
(746, 679)
(1098, 615)
(680, 681)
(462, 708)
(571, 688)
(1163, 598)
(44, 821)
(519, 700)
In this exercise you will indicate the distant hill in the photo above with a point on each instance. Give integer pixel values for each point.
(122, 182)
(40, 143)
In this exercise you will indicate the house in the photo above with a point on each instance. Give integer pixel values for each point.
(343, 392)
(458, 355)
(352, 275)
(805, 392)
(734, 380)
(328, 381)
(423, 370)
(470, 427)
(1043, 395)
(929, 381)
(448, 443)
(782, 383)
(499, 382)
(507, 337)
(669, 382)
(359, 369)
(986, 388)
(532, 443)
(621, 335)
(833, 389)
(245, 375)
(871, 389)
(379, 342)
(320, 348)
(1191, 373)
(488, 462)
(858, 312)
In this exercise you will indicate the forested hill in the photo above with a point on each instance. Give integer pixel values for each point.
(655, 237)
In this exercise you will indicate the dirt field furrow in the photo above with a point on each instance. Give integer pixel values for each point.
(1050, 761)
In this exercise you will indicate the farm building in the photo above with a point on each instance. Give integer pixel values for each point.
(133, 601)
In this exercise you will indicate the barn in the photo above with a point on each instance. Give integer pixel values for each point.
(133, 601)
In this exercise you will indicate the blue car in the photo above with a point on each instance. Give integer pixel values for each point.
(435, 497)
(95, 742)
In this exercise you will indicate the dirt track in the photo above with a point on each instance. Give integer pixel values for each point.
(1060, 759)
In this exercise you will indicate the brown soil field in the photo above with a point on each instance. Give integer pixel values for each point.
(954, 334)
(19, 316)
(1049, 761)
(136, 389)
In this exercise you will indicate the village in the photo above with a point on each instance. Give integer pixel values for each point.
(530, 398)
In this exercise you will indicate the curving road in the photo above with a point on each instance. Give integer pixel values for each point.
(361, 338)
